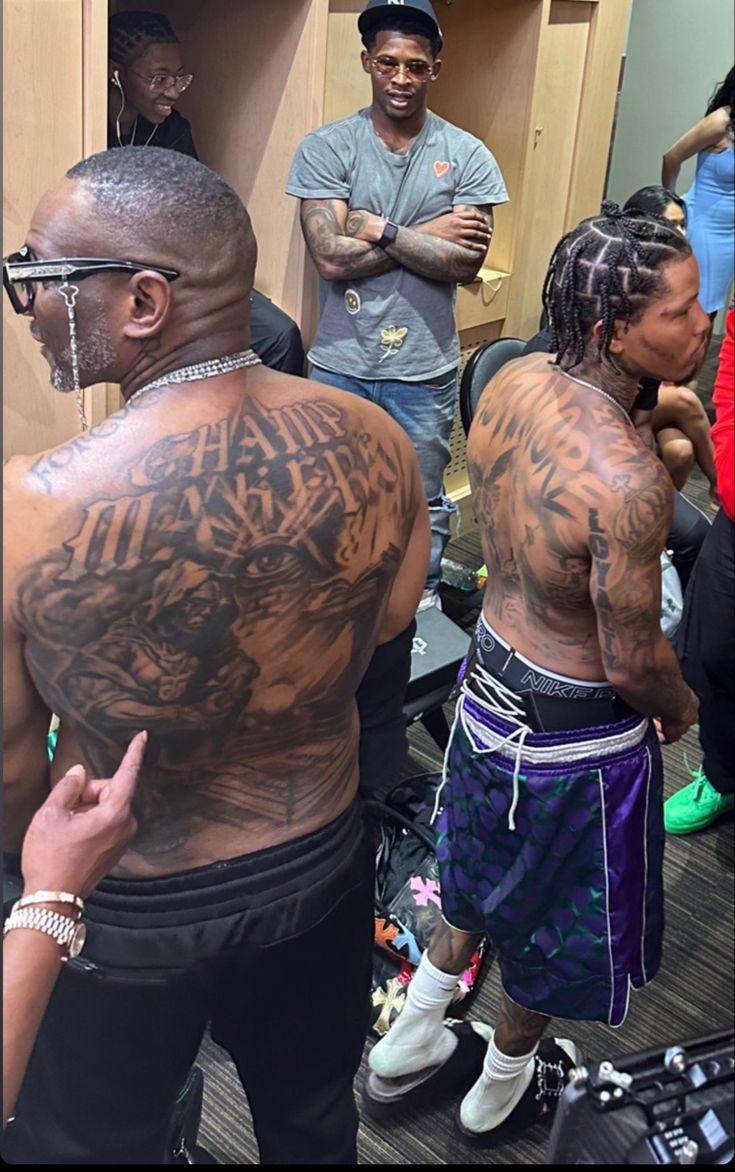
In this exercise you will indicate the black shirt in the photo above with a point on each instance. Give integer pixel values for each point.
(647, 396)
(174, 135)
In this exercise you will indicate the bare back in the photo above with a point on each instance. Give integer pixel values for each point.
(564, 489)
(215, 564)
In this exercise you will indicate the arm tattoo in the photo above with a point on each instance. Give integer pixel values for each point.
(355, 222)
(436, 259)
(221, 598)
(334, 249)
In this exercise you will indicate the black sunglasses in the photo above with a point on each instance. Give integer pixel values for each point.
(21, 271)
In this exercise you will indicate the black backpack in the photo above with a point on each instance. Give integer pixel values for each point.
(407, 896)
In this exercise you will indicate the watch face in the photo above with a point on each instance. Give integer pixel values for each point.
(76, 944)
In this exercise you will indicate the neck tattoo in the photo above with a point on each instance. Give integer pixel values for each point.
(201, 370)
(600, 391)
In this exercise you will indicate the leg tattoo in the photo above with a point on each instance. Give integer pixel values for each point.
(451, 950)
(518, 1030)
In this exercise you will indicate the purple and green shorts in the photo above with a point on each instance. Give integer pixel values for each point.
(551, 843)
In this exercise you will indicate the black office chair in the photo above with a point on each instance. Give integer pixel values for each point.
(439, 646)
(481, 367)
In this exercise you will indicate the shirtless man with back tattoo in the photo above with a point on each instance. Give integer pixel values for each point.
(551, 834)
(215, 564)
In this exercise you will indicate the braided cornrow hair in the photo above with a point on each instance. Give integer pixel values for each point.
(606, 269)
(131, 33)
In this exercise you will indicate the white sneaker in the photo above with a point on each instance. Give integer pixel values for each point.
(429, 598)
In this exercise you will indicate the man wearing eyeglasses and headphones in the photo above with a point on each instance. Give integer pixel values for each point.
(396, 210)
(146, 79)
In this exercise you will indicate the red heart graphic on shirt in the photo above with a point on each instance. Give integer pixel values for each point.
(440, 169)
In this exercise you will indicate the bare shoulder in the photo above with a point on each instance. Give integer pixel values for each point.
(636, 495)
(22, 510)
(719, 120)
(14, 471)
(91, 452)
(515, 392)
(23, 492)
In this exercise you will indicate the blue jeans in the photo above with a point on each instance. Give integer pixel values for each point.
(426, 412)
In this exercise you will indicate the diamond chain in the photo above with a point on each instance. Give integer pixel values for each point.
(201, 370)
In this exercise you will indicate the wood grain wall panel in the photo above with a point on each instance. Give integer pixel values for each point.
(486, 87)
(42, 105)
(608, 28)
(547, 174)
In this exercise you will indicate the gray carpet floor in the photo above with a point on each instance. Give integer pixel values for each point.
(692, 994)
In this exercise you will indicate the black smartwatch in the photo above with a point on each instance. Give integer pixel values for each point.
(389, 234)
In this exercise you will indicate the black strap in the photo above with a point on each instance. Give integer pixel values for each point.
(384, 813)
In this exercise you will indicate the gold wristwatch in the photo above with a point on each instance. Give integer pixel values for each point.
(67, 932)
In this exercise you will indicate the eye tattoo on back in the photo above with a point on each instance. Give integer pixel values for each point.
(221, 600)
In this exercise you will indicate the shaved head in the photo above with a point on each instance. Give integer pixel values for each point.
(169, 209)
(158, 208)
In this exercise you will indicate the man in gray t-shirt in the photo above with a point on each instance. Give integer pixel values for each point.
(396, 209)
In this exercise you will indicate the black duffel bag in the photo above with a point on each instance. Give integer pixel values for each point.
(407, 896)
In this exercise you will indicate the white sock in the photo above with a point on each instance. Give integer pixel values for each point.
(418, 1038)
(501, 1085)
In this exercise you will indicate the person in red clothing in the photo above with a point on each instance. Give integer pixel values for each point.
(706, 638)
(723, 432)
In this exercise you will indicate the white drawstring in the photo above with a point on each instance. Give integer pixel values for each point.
(505, 704)
(445, 768)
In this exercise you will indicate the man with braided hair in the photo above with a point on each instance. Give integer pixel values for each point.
(550, 840)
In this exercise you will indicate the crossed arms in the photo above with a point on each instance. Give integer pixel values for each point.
(342, 242)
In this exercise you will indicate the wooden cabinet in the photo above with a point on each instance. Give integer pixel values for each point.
(535, 79)
(53, 77)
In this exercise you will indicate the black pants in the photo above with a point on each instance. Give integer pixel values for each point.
(274, 336)
(272, 949)
(706, 649)
(689, 528)
(380, 699)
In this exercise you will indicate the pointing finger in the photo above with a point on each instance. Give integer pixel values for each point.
(126, 775)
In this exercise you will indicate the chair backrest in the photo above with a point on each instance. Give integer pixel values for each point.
(481, 367)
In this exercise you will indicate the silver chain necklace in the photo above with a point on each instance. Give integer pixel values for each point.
(70, 293)
(600, 391)
(200, 370)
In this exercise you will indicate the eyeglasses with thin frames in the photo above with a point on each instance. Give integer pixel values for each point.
(21, 271)
(160, 82)
(387, 67)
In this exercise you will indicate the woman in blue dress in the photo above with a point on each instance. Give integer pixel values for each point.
(711, 199)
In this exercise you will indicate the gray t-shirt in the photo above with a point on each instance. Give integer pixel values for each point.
(397, 325)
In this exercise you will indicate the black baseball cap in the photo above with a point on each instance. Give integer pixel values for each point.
(420, 10)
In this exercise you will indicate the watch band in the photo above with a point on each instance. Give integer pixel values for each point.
(389, 234)
(51, 897)
(69, 933)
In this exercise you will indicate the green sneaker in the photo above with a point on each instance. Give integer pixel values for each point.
(696, 806)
